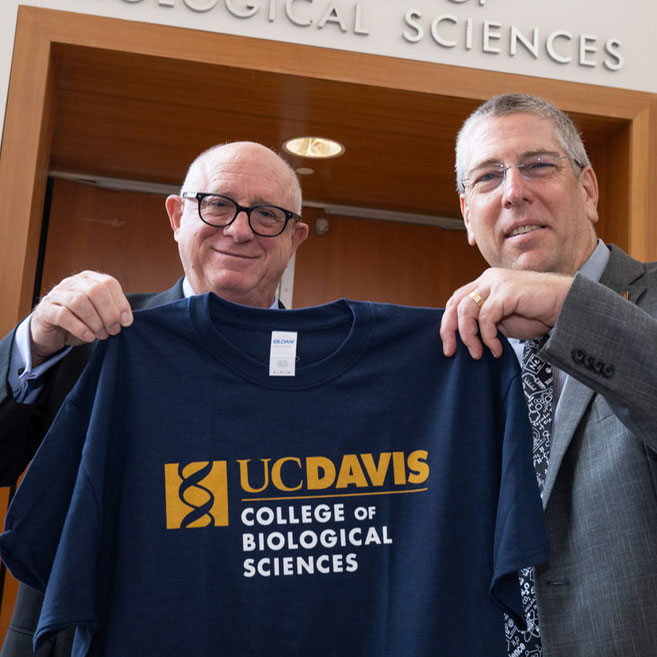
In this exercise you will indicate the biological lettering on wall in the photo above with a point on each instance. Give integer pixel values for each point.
(478, 31)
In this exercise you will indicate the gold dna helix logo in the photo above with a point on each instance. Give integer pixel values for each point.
(196, 494)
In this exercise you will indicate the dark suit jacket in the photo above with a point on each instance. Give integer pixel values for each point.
(597, 596)
(22, 428)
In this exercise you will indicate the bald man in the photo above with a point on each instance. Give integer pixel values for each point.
(237, 224)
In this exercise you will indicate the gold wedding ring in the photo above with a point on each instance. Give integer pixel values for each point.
(476, 298)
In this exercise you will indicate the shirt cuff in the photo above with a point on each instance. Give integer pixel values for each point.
(25, 381)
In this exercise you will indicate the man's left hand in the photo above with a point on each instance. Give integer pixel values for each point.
(520, 304)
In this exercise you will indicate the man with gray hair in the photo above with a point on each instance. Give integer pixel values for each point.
(528, 196)
(237, 224)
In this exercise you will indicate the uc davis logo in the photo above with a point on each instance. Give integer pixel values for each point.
(196, 494)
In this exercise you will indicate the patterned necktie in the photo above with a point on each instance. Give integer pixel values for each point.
(537, 385)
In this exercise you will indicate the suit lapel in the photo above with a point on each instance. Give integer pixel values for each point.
(573, 401)
(620, 275)
(149, 300)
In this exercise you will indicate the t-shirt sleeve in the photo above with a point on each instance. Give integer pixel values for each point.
(38, 511)
(70, 597)
(520, 531)
(52, 530)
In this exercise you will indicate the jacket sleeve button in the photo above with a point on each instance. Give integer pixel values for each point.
(578, 355)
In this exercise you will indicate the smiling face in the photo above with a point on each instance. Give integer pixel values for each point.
(540, 225)
(233, 262)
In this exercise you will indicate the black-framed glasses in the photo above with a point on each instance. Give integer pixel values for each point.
(489, 177)
(220, 211)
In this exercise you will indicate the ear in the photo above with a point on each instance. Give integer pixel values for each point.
(465, 211)
(300, 233)
(174, 206)
(589, 183)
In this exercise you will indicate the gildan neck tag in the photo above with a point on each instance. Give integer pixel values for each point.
(241, 338)
(283, 353)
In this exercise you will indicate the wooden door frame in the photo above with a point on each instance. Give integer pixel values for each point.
(30, 119)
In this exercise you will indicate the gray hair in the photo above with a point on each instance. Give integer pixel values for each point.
(566, 132)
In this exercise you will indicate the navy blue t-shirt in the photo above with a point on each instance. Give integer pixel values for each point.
(187, 502)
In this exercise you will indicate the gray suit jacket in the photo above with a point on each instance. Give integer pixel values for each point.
(22, 427)
(597, 596)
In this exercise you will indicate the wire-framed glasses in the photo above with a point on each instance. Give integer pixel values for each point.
(489, 177)
(220, 211)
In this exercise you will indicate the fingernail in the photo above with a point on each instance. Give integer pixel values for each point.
(126, 318)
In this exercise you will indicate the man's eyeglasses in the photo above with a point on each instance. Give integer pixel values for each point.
(220, 211)
(533, 167)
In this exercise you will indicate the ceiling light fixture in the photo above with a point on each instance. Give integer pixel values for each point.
(315, 147)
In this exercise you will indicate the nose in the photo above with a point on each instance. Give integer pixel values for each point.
(239, 229)
(515, 189)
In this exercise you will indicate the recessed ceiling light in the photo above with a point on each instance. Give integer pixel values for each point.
(315, 147)
(304, 171)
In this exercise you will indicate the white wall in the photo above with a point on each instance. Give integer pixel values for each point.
(605, 42)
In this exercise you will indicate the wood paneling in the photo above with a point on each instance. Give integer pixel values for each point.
(642, 188)
(382, 261)
(125, 234)
(217, 104)
(611, 161)
(408, 134)
(24, 164)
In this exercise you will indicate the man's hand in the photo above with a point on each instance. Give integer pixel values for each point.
(520, 304)
(81, 308)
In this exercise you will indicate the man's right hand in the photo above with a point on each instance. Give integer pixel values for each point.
(81, 308)
(519, 303)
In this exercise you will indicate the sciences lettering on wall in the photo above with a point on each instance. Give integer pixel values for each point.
(464, 26)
